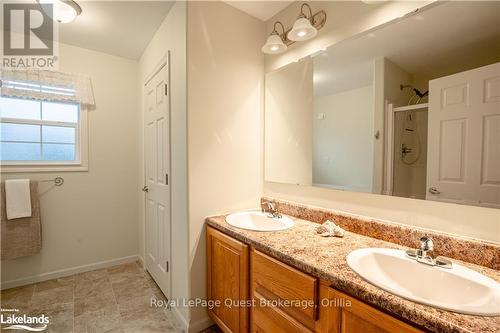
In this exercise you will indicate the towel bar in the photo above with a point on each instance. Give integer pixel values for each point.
(58, 181)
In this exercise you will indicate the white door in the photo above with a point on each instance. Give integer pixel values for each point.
(463, 161)
(157, 169)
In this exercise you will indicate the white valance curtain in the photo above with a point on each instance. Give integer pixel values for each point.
(48, 85)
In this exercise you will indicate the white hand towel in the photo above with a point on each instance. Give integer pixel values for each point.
(17, 198)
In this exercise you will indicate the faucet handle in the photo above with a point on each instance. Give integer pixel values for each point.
(267, 206)
(426, 244)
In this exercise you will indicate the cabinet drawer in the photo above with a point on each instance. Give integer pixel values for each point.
(275, 280)
(274, 320)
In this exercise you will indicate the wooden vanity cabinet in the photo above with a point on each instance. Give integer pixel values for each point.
(227, 262)
(345, 314)
(239, 273)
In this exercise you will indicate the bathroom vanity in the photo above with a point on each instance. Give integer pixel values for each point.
(296, 281)
(238, 271)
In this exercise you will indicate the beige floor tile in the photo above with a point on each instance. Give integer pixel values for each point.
(17, 297)
(90, 288)
(137, 307)
(60, 316)
(55, 283)
(54, 295)
(95, 303)
(125, 273)
(127, 290)
(117, 299)
(173, 320)
(152, 322)
(154, 287)
(92, 275)
(158, 293)
(103, 320)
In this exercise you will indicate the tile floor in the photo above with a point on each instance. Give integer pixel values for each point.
(115, 299)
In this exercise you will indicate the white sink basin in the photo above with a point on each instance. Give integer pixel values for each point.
(258, 221)
(458, 289)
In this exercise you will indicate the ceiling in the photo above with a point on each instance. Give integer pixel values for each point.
(124, 28)
(261, 9)
(442, 40)
(121, 28)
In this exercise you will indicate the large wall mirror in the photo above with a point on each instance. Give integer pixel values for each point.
(410, 109)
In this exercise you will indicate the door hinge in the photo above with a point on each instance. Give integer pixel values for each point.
(166, 89)
(167, 268)
(166, 179)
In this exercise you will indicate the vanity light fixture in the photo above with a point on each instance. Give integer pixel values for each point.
(274, 43)
(303, 28)
(63, 11)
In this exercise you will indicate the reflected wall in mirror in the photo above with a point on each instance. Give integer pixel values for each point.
(410, 109)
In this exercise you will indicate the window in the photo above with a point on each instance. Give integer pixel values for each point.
(40, 135)
(43, 120)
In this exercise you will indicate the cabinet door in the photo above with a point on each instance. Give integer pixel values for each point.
(355, 316)
(227, 280)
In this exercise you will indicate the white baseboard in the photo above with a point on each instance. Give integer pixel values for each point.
(180, 317)
(66, 272)
(141, 260)
(200, 325)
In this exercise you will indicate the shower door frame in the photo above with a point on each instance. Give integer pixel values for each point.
(389, 155)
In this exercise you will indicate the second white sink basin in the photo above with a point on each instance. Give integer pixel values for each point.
(258, 221)
(458, 289)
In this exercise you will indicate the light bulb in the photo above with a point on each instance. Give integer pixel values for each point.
(274, 44)
(302, 30)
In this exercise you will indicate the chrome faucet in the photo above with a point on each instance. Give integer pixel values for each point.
(420, 255)
(269, 208)
(426, 245)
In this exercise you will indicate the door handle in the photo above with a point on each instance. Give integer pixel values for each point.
(434, 190)
(145, 189)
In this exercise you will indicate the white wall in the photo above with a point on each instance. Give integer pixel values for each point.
(93, 216)
(394, 76)
(171, 35)
(225, 123)
(342, 153)
(346, 19)
(289, 124)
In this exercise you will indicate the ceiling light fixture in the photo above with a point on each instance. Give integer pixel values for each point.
(63, 11)
(274, 43)
(303, 28)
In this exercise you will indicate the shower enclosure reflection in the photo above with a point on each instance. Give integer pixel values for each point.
(410, 152)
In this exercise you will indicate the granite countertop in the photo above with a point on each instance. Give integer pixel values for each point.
(325, 258)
